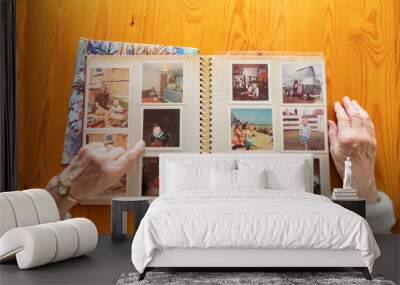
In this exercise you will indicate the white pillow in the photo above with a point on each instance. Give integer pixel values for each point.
(251, 178)
(294, 180)
(223, 179)
(183, 177)
(284, 174)
(236, 179)
(186, 174)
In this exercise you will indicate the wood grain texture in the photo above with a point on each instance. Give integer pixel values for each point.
(360, 40)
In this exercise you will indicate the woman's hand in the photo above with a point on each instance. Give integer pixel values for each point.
(354, 136)
(98, 167)
(95, 169)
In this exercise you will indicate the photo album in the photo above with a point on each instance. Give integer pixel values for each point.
(205, 104)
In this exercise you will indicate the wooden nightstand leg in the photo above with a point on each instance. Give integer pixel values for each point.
(116, 222)
(140, 211)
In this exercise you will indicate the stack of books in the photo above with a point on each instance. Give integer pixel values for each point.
(344, 194)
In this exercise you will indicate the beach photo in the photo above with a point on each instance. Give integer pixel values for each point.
(303, 128)
(251, 129)
(111, 140)
(161, 127)
(250, 82)
(162, 83)
(302, 83)
(150, 176)
(108, 98)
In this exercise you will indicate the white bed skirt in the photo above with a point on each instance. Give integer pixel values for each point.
(192, 257)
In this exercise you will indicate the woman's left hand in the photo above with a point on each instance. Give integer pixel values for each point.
(354, 136)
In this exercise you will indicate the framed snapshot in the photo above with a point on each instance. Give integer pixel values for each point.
(303, 83)
(162, 82)
(251, 129)
(161, 127)
(150, 176)
(250, 82)
(107, 98)
(304, 129)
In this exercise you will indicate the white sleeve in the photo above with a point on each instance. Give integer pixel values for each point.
(380, 216)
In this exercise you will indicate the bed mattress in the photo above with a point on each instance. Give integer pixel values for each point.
(251, 219)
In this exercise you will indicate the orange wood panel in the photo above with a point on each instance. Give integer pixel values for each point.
(360, 40)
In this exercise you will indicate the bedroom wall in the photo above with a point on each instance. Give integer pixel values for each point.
(151, 78)
(360, 40)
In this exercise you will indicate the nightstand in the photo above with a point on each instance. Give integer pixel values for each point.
(122, 204)
(357, 206)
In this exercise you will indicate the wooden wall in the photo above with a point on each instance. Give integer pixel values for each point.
(360, 39)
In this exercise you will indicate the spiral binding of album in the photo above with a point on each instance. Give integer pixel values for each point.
(205, 104)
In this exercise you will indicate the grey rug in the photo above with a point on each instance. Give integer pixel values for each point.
(228, 278)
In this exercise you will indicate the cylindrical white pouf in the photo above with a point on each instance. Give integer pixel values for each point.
(87, 234)
(23, 208)
(34, 245)
(67, 239)
(7, 218)
(45, 205)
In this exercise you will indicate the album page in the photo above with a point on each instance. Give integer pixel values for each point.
(273, 103)
(153, 98)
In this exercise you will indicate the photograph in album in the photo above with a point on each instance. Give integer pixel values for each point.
(302, 83)
(161, 128)
(162, 83)
(316, 176)
(303, 128)
(108, 98)
(250, 82)
(112, 141)
(150, 176)
(251, 129)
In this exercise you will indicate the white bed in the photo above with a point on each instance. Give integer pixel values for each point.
(205, 226)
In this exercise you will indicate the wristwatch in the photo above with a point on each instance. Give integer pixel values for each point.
(62, 188)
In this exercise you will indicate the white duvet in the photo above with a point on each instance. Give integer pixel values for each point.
(250, 219)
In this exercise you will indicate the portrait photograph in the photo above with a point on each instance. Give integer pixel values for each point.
(303, 128)
(302, 83)
(150, 176)
(108, 98)
(250, 82)
(161, 127)
(162, 82)
(251, 129)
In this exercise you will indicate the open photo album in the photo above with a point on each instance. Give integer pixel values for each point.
(209, 104)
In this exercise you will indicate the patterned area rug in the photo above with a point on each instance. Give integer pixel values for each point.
(230, 278)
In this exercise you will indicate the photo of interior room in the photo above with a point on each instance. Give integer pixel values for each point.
(162, 83)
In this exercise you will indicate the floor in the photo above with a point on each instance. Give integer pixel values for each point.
(102, 266)
(110, 260)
